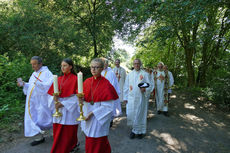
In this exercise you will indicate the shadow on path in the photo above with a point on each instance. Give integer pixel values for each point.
(190, 128)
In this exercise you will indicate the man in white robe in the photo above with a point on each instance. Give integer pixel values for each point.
(38, 116)
(162, 84)
(136, 99)
(110, 75)
(171, 79)
(150, 75)
(120, 75)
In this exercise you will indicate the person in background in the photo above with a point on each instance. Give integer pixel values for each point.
(171, 80)
(120, 75)
(150, 75)
(110, 75)
(162, 84)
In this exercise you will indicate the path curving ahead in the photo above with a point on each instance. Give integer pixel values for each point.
(193, 126)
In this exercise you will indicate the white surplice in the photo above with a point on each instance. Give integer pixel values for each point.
(151, 87)
(171, 81)
(98, 125)
(120, 75)
(110, 75)
(161, 106)
(70, 111)
(136, 107)
(37, 114)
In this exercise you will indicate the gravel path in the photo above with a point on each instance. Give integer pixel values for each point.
(193, 126)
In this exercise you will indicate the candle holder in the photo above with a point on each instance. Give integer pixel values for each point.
(81, 117)
(57, 113)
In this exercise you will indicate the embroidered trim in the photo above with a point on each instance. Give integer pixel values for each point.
(31, 94)
(166, 85)
(105, 73)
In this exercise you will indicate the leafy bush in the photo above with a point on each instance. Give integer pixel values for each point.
(11, 97)
(218, 89)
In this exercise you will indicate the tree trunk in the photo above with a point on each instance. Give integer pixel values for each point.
(189, 67)
(201, 77)
(94, 30)
(202, 69)
(95, 47)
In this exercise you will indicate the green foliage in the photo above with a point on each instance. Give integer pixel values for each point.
(11, 97)
(218, 88)
(119, 54)
(198, 30)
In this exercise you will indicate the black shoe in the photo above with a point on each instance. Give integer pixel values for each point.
(132, 135)
(37, 142)
(76, 148)
(166, 114)
(140, 136)
(158, 112)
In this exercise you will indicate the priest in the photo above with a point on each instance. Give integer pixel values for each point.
(38, 116)
(110, 75)
(120, 75)
(171, 81)
(98, 109)
(136, 98)
(162, 84)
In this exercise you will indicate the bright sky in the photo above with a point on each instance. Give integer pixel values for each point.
(120, 44)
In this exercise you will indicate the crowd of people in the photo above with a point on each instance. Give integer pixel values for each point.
(103, 94)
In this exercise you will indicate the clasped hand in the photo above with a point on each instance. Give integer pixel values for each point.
(57, 103)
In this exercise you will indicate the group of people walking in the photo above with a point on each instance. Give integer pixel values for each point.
(103, 94)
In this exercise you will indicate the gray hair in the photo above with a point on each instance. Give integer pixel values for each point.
(105, 60)
(118, 60)
(98, 60)
(160, 63)
(38, 58)
(137, 59)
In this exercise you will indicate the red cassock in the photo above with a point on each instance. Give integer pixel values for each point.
(97, 145)
(102, 91)
(65, 136)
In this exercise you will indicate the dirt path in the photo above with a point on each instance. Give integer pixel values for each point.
(193, 126)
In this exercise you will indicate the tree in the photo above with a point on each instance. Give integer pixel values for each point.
(201, 28)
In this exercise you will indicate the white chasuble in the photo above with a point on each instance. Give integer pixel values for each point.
(110, 75)
(160, 85)
(136, 107)
(120, 75)
(171, 81)
(38, 116)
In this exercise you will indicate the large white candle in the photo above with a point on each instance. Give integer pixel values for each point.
(55, 83)
(80, 82)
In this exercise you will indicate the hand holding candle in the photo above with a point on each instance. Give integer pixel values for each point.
(80, 95)
(55, 83)
(80, 82)
(56, 93)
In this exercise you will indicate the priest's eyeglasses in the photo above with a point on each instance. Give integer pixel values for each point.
(95, 67)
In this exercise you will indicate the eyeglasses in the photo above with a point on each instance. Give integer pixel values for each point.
(95, 67)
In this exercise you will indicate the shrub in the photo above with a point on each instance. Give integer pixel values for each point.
(11, 97)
